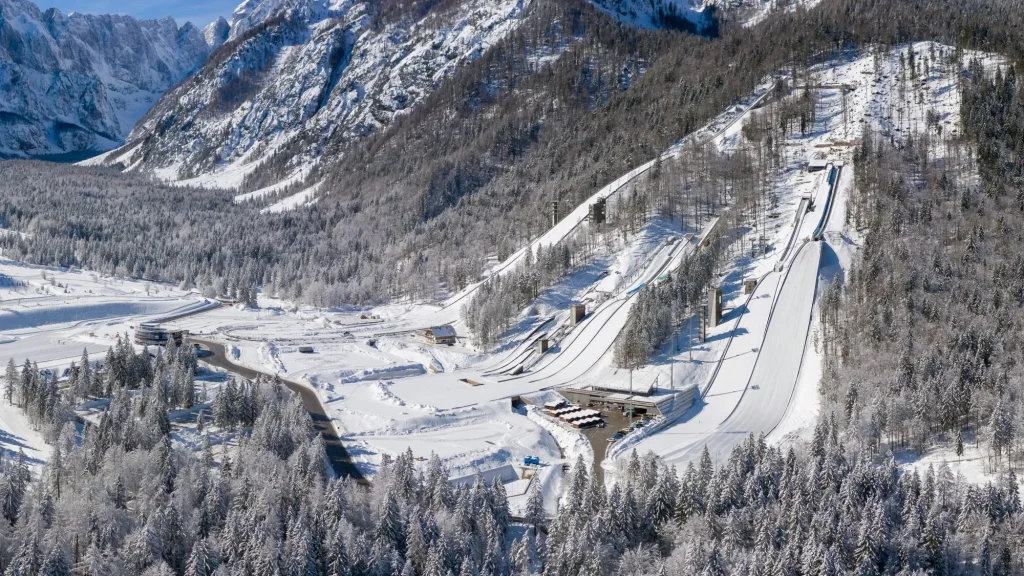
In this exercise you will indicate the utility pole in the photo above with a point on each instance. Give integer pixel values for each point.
(689, 337)
(631, 398)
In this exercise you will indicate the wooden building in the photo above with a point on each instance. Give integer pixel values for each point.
(441, 335)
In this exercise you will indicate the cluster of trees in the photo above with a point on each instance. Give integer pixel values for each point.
(254, 407)
(49, 399)
(38, 394)
(660, 308)
(922, 344)
(501, 299)
(15, 479)
(122, 498)
(762, 511)
(238, 405)
(129, 225)
(497, 303)
(170, 371)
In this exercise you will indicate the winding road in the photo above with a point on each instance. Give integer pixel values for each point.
(336, 452)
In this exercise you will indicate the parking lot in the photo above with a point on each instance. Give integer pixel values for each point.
(598, 437)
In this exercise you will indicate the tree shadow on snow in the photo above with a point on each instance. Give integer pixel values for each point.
(11, 443)
(725, 335)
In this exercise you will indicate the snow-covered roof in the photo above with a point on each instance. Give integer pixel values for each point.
(506, 474)
(580, 414)
(518, 487)
(442, 331)
(640, 387)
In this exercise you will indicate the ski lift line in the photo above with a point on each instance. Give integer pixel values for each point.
(752, 106)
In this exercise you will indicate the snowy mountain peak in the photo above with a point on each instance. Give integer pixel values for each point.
(302, 77)
(76, 83)
(251, 13)
(217, 33)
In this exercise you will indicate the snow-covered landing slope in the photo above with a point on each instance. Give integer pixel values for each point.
(741, 402)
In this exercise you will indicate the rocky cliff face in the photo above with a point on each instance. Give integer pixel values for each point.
(295, 78)
(75, 84)
(217, 33)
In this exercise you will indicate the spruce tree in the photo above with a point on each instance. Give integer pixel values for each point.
(11, 379)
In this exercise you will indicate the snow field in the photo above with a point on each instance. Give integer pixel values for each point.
(16, 433)
(49, 315)
(369, 416)
(479, 438)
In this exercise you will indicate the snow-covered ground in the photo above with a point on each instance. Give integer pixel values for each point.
(17, 434)
(976, 465)
(51, 315)
(389, 389)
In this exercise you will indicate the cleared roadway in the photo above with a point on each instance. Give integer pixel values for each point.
(336, 453)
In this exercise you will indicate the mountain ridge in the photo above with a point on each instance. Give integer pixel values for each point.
(308, 74)
(73, 84)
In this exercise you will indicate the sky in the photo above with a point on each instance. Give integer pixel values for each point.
(199, 12)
